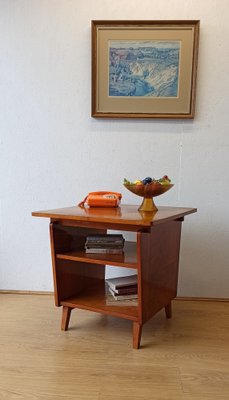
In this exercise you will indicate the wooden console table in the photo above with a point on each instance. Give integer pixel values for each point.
(79, 278)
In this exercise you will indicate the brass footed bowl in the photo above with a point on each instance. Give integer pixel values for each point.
(148, 192)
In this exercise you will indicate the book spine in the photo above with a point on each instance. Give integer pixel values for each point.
(105, 239)
(123, 282)
(125, 303)
(123, 297)
(115, 287)
(127, 290)
(93, 244)
(103, 251)
(103, 246)
(105, 236)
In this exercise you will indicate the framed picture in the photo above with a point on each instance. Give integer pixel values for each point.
(144, 69)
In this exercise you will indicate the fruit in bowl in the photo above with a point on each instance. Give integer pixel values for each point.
(148, 188)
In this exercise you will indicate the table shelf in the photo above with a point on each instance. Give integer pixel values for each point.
(94, 299)
(128, 259)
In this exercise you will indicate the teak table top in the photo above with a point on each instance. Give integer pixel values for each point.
(123, 215)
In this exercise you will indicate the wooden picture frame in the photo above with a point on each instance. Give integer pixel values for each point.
(144, 69)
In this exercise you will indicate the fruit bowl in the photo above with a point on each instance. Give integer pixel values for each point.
(148, 192)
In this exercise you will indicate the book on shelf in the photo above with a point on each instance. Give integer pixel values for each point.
(110, 301)
(122, 291)
(126, 290)
(122, 282)
(103, 246)
(103, 239)
(119, 297)
(99, 250)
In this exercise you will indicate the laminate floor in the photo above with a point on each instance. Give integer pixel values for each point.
(184, 358)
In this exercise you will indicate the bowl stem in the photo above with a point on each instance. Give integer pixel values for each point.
(148, 205)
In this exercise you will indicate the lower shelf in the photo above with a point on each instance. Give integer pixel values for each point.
(94, 299)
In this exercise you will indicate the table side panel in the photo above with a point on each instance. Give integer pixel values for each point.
(159, 267)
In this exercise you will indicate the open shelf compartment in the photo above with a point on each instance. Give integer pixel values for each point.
(94, 299)
(128, 259)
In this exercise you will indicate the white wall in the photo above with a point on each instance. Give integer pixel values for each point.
(53, 152)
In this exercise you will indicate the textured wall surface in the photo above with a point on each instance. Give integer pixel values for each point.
(53, 153)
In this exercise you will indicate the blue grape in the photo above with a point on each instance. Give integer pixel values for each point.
(147, 180)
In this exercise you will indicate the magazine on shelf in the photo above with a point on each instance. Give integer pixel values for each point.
(122, 281)
(119, 297)
(111, 301)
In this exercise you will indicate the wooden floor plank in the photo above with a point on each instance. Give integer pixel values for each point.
(185, 358)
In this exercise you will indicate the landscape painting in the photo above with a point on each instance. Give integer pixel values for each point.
(143, 68)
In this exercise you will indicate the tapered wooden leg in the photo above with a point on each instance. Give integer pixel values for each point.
(66, 313)
(168, 310)
(137, 332)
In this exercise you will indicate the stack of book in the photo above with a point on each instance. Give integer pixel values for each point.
(104, 244)
(122, 291)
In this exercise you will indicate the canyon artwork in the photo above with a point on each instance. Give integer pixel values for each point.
(144, 68)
